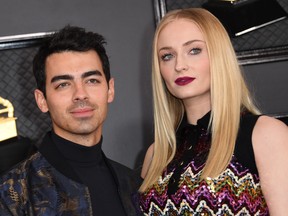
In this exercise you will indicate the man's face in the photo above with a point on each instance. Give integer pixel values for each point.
(77, 95)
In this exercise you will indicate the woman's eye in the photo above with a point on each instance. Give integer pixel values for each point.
(166, 57)
(195, 51)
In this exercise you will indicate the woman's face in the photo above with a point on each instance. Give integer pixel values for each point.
(184, 61)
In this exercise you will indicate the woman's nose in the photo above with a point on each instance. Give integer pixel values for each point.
(181, 65)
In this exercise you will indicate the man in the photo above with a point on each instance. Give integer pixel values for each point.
(69, 174)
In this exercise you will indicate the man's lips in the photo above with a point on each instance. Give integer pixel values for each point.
(181, 81)
(82, 112)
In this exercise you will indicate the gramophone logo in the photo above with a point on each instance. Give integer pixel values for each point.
(7, 120)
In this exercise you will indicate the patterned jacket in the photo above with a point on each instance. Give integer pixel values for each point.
(44, 185)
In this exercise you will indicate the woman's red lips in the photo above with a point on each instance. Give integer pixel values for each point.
(181, 81)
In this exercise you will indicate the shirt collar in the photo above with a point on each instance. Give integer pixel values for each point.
(78, 153)
(202, 122)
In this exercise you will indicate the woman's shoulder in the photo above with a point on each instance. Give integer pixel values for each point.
(261, 125)
(268, 120)
(270, 144)
(269, 133)
(258, 133)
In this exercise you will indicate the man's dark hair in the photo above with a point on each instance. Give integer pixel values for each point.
(70, 38)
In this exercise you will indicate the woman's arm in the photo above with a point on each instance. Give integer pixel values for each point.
(270, 144)
(147, 160)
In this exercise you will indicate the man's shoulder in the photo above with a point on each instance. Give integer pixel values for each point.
(123, 169)
(129, 181)
(116, 165)
(125, 174)
(20, 171)
(14, 183)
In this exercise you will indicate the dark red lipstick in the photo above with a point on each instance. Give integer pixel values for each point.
(181, 81)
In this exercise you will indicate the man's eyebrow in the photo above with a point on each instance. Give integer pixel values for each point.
(61, 77)
(91, 73)
(70, 77)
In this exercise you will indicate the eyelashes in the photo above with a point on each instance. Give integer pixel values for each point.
(169, 55)
(62, 85)
(196, 51)
(67, 84)
(166, 57)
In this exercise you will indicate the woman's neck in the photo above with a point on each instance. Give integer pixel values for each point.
(196, 111)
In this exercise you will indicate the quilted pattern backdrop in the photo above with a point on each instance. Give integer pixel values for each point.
(273, 35)
(17, 84)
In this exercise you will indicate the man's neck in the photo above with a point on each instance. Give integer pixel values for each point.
(81, 139)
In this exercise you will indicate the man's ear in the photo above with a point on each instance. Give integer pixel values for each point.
(41, 101)
(111, 90)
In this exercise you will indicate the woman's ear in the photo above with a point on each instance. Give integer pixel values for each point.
(41, 101)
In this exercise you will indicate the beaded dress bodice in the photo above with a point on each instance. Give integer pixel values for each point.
(179, 191)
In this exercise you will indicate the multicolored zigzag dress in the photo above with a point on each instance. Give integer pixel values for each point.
(179, 191)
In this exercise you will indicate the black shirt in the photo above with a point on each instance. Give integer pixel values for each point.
(89, 164)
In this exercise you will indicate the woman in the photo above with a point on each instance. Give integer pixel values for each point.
(213, 153)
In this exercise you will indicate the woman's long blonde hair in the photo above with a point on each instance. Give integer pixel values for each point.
(229, 95)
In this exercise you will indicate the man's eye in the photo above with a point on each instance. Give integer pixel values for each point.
(93, 81)
(62, 85)
(195, 51)
(166, 57)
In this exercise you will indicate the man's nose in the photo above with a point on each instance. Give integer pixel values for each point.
(80, 92)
